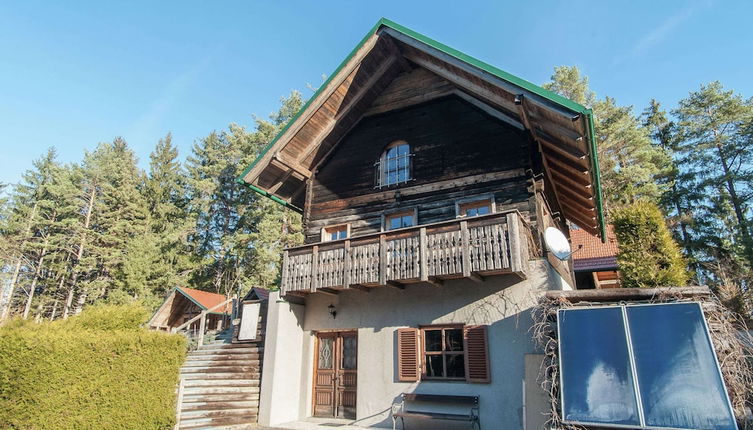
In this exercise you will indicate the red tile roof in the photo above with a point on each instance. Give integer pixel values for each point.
(590, 253)
(207, 300)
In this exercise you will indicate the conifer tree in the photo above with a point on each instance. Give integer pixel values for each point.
(628, 162)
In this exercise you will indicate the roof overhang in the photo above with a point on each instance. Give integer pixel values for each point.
(562, 129)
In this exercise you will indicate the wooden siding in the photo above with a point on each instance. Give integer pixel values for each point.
(459, 150)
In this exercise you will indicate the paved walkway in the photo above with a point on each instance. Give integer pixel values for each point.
(317, 424)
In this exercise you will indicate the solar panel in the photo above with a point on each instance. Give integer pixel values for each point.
(645, 366)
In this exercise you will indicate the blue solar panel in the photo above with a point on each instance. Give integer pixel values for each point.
(646, 366)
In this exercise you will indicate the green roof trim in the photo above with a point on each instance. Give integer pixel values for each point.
(488, 68)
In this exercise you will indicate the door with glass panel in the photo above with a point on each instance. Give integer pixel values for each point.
(335, 374)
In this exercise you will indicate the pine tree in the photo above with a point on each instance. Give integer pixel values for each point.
(715, 146)
(628, 162)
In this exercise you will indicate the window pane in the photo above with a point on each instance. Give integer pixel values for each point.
(407, 221)
(483, 210)
(393, 223)
(455, 366)
(333, 236)
(433, 340)
(325, 353)
(392, 152)
(597, 382)
(453, 339)
(678, 377)
(434, 365)
(471, 212)
(403, 149)
(350, 352)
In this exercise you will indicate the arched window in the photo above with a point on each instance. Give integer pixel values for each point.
(394, 166)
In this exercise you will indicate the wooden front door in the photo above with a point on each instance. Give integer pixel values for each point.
(335, 374)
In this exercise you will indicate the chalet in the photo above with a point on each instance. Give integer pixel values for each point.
(183, 304)
(425, 179)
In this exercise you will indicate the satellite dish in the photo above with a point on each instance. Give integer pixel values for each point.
(557, 243)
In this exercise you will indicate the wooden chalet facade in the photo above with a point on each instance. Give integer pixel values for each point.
(425, 179)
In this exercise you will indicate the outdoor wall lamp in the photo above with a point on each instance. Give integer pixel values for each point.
(332, 310)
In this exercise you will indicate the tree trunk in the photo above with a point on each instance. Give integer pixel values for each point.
(8, 300)
(54, 310)
(80, 253)
(37, 271)
(68, 302)
(737, 204)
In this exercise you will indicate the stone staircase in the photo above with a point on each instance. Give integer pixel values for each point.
(221, 385)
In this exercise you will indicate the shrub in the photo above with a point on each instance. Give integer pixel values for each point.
(97, 370)
(648, 256)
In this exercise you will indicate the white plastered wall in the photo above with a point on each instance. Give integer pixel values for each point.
(504, 303)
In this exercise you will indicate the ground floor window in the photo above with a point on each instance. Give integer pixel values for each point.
(443, 352)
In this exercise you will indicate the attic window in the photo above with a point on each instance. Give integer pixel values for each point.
(394, 166)
(642, 367)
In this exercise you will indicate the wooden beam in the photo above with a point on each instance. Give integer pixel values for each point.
(561, 179)
(395, 284)
(476, 72)
(567, 165)
(293, 164)
(397, 53)
(280, 181)
(475, 277)
(435, 282)
(314, 105)
(464, 83)
(619, 294)
(328, 291)
(361, 288)
(572, 195)
(489, 110)
(314, 143)
(566, 151)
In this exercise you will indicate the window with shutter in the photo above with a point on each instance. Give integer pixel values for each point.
(407, 354)
(477, 354)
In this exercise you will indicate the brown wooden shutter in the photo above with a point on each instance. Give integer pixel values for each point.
(408, 366)
(477, 354)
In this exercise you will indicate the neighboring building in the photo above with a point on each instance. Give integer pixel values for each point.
(183, 303)
(594, 260)
(425, 179)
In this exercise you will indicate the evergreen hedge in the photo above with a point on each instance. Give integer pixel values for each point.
(99, 370)
(648, 255)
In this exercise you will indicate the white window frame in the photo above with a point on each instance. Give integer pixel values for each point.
(482, 198)
(324, 236)
(381, 165)
(387, 215)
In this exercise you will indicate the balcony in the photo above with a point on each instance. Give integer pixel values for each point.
(472, 248)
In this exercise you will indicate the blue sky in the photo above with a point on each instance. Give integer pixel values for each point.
(73, 74)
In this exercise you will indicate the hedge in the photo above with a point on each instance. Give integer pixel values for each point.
(647, 256)
(99, 370)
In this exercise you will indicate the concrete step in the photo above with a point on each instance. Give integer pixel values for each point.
(201, 390)
(219, 369)
(221, 363)
(221, 357)
(214, 406)
(227, 346)
(187, 415)
(247, 422)
(221, 383)
(219, 397)
(213, 376)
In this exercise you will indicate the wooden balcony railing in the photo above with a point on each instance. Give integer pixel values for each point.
(463, 248)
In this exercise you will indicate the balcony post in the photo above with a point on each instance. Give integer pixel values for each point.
(423, 256)
(314, 268)
(382, 259)
(284, 276)
(346, 264)
(517, 245)
(465, 247)
(202, 327)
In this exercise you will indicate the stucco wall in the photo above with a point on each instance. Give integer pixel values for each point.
(503, 303)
